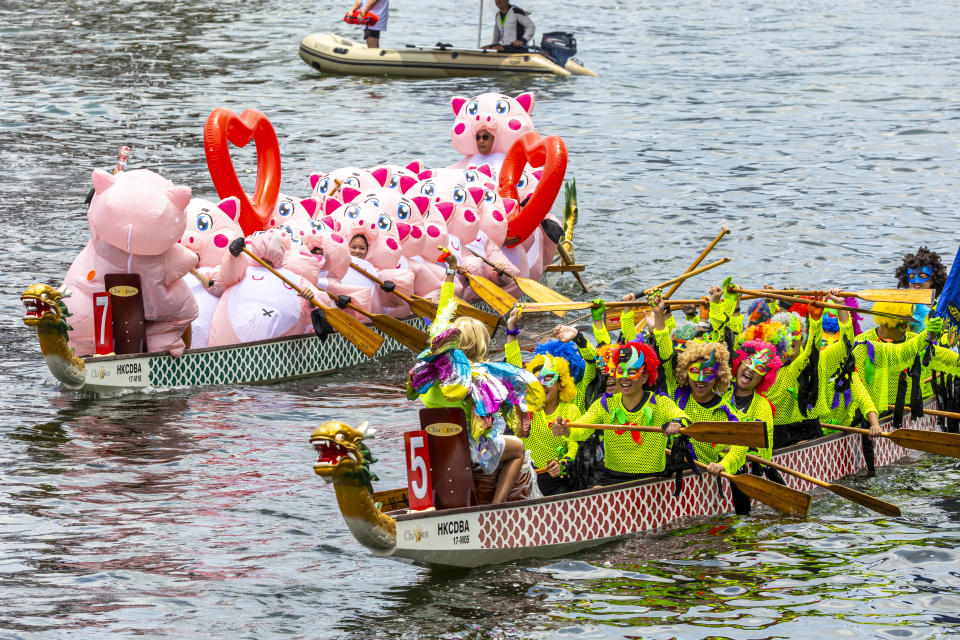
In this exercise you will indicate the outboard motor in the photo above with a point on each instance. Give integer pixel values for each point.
(559, 46)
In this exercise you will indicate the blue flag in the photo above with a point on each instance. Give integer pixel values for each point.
(948, 306)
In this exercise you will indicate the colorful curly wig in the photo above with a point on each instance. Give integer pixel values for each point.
(922, 258)
(697, 351)
(759, 311)
(772, 333)
(569, 352)
(568, 389)
(751, 347)
(899, 308)
(650, 359)
(605, 356)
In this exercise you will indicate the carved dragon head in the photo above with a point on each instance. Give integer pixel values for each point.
(342, 455)
(45, 307)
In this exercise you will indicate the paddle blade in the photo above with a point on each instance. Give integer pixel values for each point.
(360, 335)
(409, 336)
(423, 308)
(497, 298)
(782, 498)
(541, 293)
(939, 442)
(746, 434)
(874, 504)
(489, 320)
(909, 296)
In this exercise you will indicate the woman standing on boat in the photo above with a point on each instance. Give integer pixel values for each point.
(454, 372)
(559, 367)
(631, 455)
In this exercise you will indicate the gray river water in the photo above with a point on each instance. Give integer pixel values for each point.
(823, 134)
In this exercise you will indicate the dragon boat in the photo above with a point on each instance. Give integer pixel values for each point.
(330, 53)
(555, 525)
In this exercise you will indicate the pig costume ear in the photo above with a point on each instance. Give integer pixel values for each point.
(230, 206)
(457, 102)
(526, 101)
(416, 166)
(380, 175)
(179, 196)
(102, 180)
(422, 203)
(407, 183)
(349, 194)
(311, 205)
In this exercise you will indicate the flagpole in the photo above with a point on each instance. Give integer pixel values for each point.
(480, 27)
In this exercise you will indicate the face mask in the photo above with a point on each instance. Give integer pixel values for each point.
(704, 372)
(919, 276)
(758, 362)
(547, 375)
(631, 364)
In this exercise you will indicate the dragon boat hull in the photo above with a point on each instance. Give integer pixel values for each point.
(329, 53)
(559, 525)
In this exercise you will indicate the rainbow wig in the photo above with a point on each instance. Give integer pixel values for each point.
(569, 352)
(759, 311)
(605, 357)
(772, 333)
(697, 351)
(792, 320)
(650, 359)
(751, 347)
(568, 390)
(899, 308)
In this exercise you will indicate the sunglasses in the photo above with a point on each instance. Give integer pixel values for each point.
(484, 136)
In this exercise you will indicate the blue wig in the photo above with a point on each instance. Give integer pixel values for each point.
(831, 324)
(569, 352)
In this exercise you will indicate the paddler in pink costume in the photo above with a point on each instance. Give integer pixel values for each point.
(136, 219)
(499, 116)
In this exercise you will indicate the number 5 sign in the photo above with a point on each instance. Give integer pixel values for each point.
(419, 486)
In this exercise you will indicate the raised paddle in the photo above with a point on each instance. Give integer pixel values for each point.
(682, 277)
(361, 336)
(907, 296)
(746, 434)
(498, 299)
(533, 289)
(874, 504)
(553, 307)
(425, 309)
(693, 265)
(827, 305)
(939, 442)
(407, 335)
(778, 496)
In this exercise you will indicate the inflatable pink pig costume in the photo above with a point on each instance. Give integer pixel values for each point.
(136, 220)
(505, 117)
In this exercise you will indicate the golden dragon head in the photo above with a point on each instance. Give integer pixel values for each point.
(342, 455)
(45, 307)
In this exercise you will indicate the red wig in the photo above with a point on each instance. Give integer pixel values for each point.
(650, 359)
(751, 347)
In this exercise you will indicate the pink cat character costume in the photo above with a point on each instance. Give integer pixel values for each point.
(136, 221)
(505, 117)
(261, 305)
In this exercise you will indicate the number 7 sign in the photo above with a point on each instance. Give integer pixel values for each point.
(419, 486)
(102, 323)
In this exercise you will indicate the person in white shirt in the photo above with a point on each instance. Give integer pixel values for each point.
(512, 28)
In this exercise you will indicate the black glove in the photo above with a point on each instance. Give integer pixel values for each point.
(320, 325)
(237, 246)
(343, 301)
(388, 286)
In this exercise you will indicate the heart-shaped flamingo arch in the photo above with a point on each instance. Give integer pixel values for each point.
(549, 153)
(224, 127)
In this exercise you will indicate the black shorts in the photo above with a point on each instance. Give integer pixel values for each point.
(371, 33)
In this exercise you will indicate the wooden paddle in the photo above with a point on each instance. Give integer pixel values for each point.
(552, 307)
(939, 442)
(425, 309)
(907, 296)
(780, 497)
(937, 412)
(682, 277)
(533, 289)
(362, 337)
(204, 280)
(828, 305)
(498, 299)
(693, 265)
(874, 504)
(407, 335)
(747, 434)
